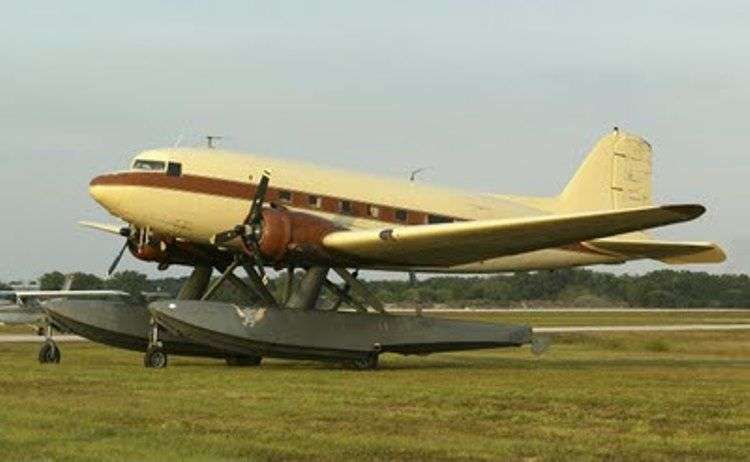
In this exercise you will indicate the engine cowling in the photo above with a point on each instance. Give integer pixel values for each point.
(167, 251)
(149, 252)
(288, 235)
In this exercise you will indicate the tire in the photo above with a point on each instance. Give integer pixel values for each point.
(244, 361)
(155, 358)
(49, 353)
(364, 363)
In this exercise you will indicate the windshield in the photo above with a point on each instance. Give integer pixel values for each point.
(148, 165)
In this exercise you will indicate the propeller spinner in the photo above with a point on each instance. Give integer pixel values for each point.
(251, 229)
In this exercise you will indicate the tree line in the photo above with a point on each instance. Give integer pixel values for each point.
(564, 287)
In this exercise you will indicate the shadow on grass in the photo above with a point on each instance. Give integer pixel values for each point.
(478, 363)
(92, 356)
(566, 364)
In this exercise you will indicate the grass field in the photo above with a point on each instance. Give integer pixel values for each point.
(602, 318)
(650, 396)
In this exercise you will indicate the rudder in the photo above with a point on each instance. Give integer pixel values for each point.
(616, 174)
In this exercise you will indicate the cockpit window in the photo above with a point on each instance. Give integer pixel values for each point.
(148, 165)
(174, 169)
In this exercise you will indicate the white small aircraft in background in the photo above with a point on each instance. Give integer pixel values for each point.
(24, 307)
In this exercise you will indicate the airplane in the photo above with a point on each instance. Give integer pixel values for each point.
(218, 209)
(25, 307)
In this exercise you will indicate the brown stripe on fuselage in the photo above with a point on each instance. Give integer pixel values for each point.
(241, 190)
(188, 183)
(299, 199)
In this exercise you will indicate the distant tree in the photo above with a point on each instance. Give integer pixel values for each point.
(169, 285)
(87, 281)
(4, 286)
(660, 298)
(565, 287)
(132, 282)
(52, 281)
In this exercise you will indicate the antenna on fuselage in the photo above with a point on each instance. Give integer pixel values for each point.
(414, 173)
(210, 140)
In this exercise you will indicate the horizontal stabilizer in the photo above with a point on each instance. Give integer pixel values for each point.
(674, 253)
(470, 241)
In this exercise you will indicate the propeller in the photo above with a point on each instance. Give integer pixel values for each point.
(117, 259)
(126, 233)
(251, 229)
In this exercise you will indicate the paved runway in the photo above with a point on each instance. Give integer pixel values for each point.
(572, 310)
(650, 328)
(20, 338)
(27, 338)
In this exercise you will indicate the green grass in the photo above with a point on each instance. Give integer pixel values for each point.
(19, 329)
(660, 396)
(601, 318)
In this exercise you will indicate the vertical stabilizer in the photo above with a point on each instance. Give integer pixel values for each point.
(615, 175)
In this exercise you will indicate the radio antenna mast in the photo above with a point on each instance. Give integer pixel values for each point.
(210, 140)
(414, 173)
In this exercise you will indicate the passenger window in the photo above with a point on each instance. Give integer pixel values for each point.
(148, 165)
(174, 169)
(285, 196)
(373, 211)
(434, 219)
(401, 215)
(314, 201)
(346, 207)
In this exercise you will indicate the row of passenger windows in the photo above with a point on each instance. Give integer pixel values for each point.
(373, 211)
(284, 196)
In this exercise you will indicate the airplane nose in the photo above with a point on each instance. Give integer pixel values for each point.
(104, 194)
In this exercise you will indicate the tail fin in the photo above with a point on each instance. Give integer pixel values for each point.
(615, 175)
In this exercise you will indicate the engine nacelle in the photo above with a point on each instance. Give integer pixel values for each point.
(168, 251)
(149, 252)
(289, 235)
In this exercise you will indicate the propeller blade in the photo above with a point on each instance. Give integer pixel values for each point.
(256, 208)
(254, 215)
(117, 260)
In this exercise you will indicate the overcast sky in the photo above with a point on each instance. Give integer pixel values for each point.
(502, 97)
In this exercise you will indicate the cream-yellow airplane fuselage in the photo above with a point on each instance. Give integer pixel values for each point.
(192, 194)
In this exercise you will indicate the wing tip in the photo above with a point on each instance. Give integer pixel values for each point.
(711, 254)
(686, 211)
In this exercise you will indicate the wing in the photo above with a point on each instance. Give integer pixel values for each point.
(674, 253)
(464, 242)
(69, 293)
